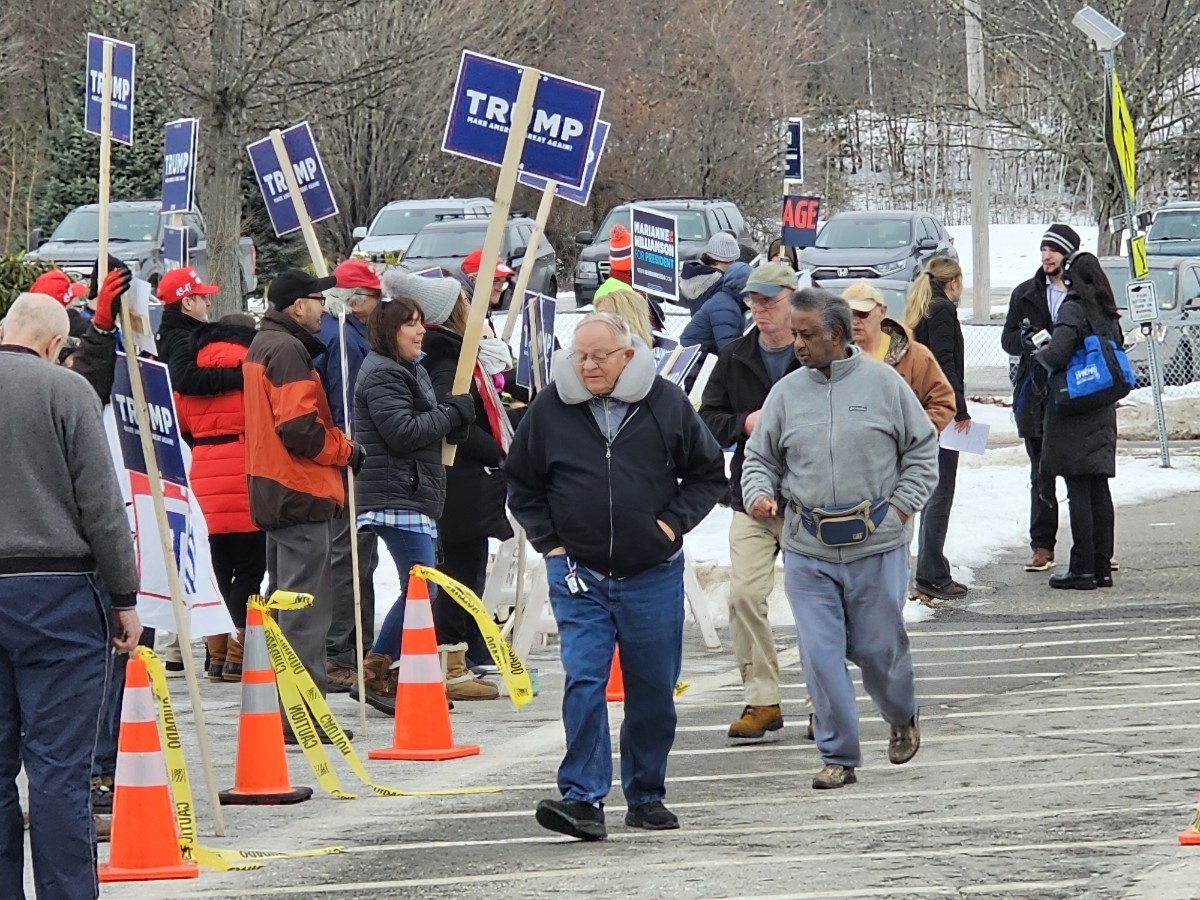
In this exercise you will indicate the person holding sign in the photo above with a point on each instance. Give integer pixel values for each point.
(66, 556)
(294, 458)
(588, 483)
(470, 268)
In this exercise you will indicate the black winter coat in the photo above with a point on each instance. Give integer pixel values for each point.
(177, 348)
(400, 425)
(941, 332)
(570, 488)
(1028, 301)
(475, 484)
(1085, 443)
(739, 385)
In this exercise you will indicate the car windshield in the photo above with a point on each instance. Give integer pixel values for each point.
(691, 224)
(83, 225)
(1175, 226)
(1162, 278)
(406, 221)
(850, 232)
(446, 242)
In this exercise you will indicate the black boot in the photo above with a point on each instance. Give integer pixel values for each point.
(1074, 581)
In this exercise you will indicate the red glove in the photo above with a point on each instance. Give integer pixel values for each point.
(108, 301)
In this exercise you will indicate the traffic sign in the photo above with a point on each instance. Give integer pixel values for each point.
(1138, 264)
(124, 59)
(1142, 300)
(310, 176)
(179, 165)
(1118, 132)
(560, 132)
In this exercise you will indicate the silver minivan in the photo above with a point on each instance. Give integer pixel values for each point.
(394, 227)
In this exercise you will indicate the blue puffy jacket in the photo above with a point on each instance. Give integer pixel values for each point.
(722, 318)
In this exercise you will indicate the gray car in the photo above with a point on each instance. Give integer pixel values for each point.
(876, 244)
(394, 227)
(1177, 285)
(1175, 230)
(895, 293)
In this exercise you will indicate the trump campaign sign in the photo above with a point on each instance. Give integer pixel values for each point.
(305, 161)
(560, 131)
(164, 424)
(579, 195)
(179, 165)
(124, 58)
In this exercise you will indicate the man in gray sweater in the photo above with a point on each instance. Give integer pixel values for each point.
(845, 447)
(64, 541)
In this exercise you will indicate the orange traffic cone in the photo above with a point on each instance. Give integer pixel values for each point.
(1190, 837)
(261, 778)
(145, 835)
(422, 729)
(615, 692)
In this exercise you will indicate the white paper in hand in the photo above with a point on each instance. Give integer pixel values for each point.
(973, 440)
(138, 298)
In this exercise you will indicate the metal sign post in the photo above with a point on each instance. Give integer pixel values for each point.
(1142, 300)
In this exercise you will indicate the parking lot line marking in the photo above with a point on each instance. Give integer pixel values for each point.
(1032, 645)
(1025, 659)
(1000, 887)
(923, 630)
(599, 873)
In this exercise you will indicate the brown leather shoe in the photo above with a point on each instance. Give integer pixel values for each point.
(1041, 561)
(218, 648)
(232, 670)
(834, 776)
(380, 681)
(339, 678)
(905, 740)
(756, 721)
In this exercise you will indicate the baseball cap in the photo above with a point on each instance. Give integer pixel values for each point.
(470, 265)
(769, 279)
(291, 284)
(176, 284)
(357, 273)
(863, 296)
(58, 284)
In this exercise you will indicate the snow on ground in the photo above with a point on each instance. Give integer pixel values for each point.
(1014, 250)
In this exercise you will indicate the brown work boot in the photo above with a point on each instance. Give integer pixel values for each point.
(339, 678)
(460, 683)
(380, 680)
(905, 740)
(218, 645)
(756, 721)
(1041, 561)
(232, 670)
(834, 776)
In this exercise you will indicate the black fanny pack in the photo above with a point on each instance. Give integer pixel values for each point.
(843, 526)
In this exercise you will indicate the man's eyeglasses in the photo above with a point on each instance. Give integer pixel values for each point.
(757, 301)
(859, 314)
(599, 358)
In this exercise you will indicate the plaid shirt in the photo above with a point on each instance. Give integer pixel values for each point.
(404, 519)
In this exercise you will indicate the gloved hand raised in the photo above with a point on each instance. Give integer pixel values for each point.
(108, 299)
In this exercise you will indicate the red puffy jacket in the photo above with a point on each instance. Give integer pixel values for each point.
(216, 426)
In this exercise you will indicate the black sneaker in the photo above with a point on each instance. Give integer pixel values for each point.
(290, 739)
(573, 818)
(652, 816)
(951, 590)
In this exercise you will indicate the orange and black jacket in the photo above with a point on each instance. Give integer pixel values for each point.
(294, 454)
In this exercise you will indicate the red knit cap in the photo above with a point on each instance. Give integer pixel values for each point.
(620, 249)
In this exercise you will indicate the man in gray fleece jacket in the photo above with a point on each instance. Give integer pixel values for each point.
(845, 445)
(63, 529)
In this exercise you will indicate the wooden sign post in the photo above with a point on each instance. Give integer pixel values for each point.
(152, 472)
(518, 294)
(522, 113)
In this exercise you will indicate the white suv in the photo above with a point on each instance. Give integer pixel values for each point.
(395, 226)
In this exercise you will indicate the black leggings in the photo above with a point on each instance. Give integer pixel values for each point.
(239, 562)
(1092, 524)
(466, 563)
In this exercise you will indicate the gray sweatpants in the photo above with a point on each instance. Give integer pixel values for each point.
(298, 560)
(339, 646)
(852, 611)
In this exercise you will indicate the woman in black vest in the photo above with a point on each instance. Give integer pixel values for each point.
(1082, 447)
(401, 489)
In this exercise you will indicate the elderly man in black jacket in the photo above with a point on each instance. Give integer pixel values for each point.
(1032, 309)
(609, 469)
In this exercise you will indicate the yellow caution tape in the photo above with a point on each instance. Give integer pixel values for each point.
(681, 687)
(181, 789)
(300, 697)
(512, 669)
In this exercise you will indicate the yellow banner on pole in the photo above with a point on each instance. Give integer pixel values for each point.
(1118, 132)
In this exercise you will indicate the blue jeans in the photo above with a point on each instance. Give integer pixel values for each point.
(53, 649)
(852, 611)
(408, 549)
(644, 615)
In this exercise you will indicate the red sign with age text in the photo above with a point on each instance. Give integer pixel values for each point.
(800, 216)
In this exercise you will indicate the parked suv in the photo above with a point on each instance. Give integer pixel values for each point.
(876, 244)
(698, 220)
(447, 241)
(1177, 330)
(135, 236)
(1175, 230)
(395, 226)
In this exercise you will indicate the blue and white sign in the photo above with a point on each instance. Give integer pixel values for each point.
(655, 253)
(175, 247)
(124, 59)
(560, 131)
(179, 165)
(537, 341)
(794, 157)
(577, 195)
(160, 403)
(310, 175)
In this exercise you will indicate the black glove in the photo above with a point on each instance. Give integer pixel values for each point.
(358, 456)
(461, 409)
(459, 435)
